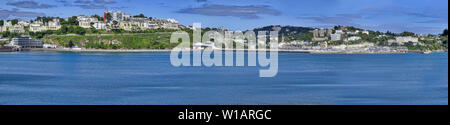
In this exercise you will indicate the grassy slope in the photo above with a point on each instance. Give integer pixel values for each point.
(128, 41)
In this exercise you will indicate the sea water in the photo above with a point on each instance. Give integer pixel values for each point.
(35, 78)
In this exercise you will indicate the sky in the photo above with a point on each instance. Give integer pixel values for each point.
(419, 16)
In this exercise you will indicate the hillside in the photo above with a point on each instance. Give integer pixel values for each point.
(285, 30)
(113, 41)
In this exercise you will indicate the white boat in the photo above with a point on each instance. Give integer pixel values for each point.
(427, 52)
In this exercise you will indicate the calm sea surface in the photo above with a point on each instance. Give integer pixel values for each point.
(149, 78)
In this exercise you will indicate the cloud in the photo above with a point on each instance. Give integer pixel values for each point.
(377, 14)
(91, 6)
(83, 1)
(105, 1)
(404, 27)
(434, 21)
(95, 1)
(351, 16)
(118, 8)
(422, 15)
(338, 19)
(432, 13)
(61, 1)
(351, 19)
(64, 2)
(245, 12)
(5, 14)
(29, 4)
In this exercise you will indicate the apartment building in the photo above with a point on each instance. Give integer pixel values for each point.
(37, 26)
(85, 21)
(26, 42)
(53, 25)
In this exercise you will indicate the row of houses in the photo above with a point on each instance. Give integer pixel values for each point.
(327, 34)
(36, 26)
(338, 34)
(39, 26)
(120, 20)
(111, 20)
(7, 26)
(401, 40)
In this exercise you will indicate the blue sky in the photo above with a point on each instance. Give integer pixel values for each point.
(420, 16)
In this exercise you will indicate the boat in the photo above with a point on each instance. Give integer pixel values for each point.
(427, 52)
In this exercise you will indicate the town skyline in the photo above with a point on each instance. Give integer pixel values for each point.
(238, 15)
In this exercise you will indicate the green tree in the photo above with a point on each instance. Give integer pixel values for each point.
(389, 33)
(140, 15)
(10, 35)
(64, 29)
(93, 30)
(45, 19)
(97, 16)
(37, 35)
(14, 21)
(406, 33)
(70, 21)
(79, 30)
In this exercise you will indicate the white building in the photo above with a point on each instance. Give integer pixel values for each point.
(380, 36)
(100, 25)
(170, 24)
(3, 40)
(85, 21)
(2, 29)
(153, 25)
(170, 20)
(118, 16)
(17, 29)
(352, 38)
(49, 46)
(262, 39)
(321, 34)
(403, 40)
(23, 23)
(37, 26)
(53, 24)
(365, 32)
(142, 23)
(6, 26)
(354, 32)
(335, 37)
(339, 32)
(26, 42)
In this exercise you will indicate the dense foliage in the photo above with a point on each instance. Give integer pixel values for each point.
(115, 41)
(10, 34)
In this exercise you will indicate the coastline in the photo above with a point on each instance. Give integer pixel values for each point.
(169, 50)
